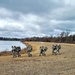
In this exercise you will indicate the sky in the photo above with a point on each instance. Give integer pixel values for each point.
(29, 18)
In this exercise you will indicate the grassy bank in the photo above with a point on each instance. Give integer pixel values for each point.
(63, 64)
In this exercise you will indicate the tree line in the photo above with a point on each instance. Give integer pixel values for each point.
(63, 37)
(9, 39)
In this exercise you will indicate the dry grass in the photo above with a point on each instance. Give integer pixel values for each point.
(63, 64)
(7, 53)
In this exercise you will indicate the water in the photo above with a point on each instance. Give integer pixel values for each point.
(6, 45)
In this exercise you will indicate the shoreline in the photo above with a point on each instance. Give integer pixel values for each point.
(35, 46)
(7, 52)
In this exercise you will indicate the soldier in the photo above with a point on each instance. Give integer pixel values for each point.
(54, 49)
(58, 49)
(44, 50)
(18, 51)
(41, 50)
(29, 49)
(14, 51)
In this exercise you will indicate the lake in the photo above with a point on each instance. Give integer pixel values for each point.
(6, 45)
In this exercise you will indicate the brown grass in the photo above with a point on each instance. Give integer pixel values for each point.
(63, 64)
(7, 53)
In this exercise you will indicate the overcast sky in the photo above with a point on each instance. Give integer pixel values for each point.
(28, 18)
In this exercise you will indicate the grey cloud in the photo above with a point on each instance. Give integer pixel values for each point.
(70, 25)
(30, 6)
(64, 13)
(27, 18)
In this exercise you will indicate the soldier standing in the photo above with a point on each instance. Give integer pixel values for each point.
(29, 49)
(18, 51)
(58, 49)
(54, 49)
(14, 51)
(44, 50)
(41, 50)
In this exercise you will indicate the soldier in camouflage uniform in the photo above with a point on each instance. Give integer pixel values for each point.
(29, 49)
(18, 51)
(14, 51)
(43, 50)
(58, 49)
(54, 49)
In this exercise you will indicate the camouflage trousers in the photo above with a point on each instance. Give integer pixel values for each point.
(14, 54)
(58, 52)
(18, 53)
(29, 55)
(54, 52)
(42, 53)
